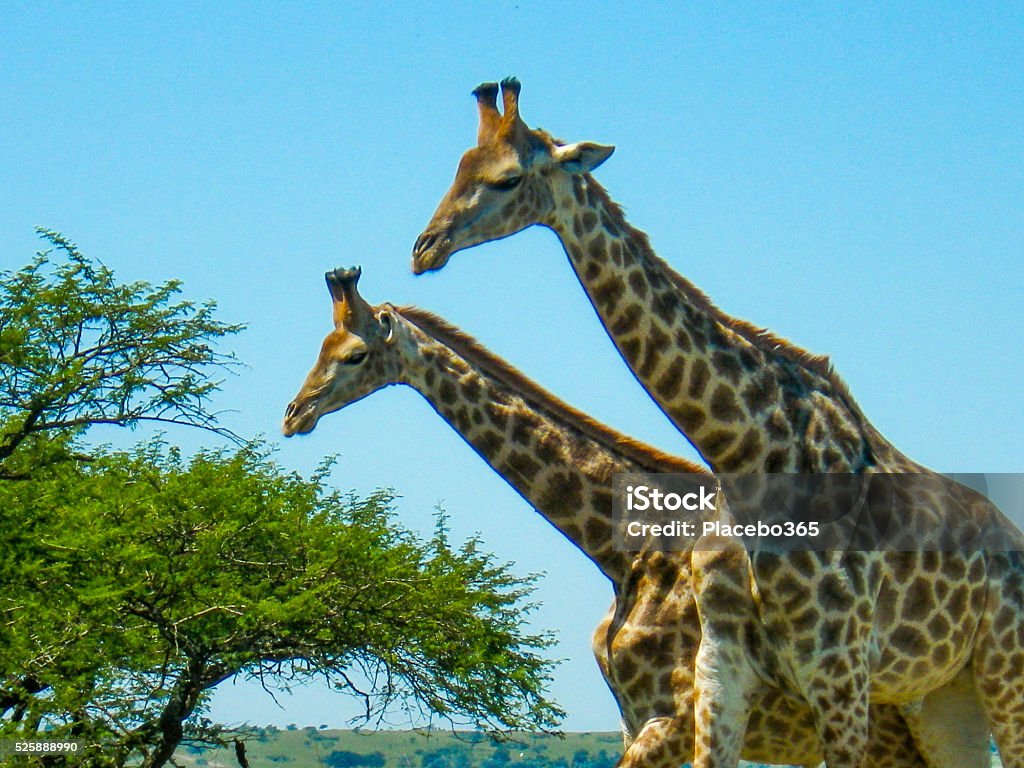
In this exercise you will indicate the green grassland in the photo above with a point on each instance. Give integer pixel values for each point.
(313, 748)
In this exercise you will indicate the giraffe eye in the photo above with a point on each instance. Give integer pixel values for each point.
(508, 182)
(355, 358)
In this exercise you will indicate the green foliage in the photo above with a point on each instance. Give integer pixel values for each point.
(500, 758)
(77, 348)
(582, 758)
(132, 583)
(142, 580)
(454, 756)
(342, 758)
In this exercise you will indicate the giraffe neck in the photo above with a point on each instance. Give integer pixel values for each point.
(556, 458)
(747, 400)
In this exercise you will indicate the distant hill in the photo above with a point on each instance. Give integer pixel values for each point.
(313, 748)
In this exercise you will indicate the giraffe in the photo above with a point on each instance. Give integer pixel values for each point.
(750, 401)
(562, 462)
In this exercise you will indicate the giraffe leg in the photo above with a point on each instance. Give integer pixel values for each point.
(843, 725)
(664, 742)
(999, 657)
(890, 741)
(949, 725)
(1003, 699)
(724, 680)
(722, 708)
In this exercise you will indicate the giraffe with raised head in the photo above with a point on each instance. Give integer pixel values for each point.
(935, 633)
(562, 463)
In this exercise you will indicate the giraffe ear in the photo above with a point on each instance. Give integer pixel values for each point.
(582, 157)
(387, 325)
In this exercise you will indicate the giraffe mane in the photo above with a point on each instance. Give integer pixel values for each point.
(761, 338)
(481, 357)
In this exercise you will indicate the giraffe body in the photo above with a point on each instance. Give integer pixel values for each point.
(562, 463)
(837, 629)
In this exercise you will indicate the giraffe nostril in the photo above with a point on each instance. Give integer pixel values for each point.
(424, 242)
(290, 410)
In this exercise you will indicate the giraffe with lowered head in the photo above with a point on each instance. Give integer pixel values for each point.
(562, 462)
(934, 632)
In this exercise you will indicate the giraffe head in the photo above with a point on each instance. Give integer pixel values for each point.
(504, 184)
(356, 359)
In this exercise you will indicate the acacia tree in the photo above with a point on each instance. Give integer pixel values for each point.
(133, 583)
(77, 348)
(146, 580)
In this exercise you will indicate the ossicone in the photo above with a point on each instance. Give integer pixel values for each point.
(348, 305)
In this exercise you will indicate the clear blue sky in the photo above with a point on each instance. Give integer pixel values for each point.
(850, 176)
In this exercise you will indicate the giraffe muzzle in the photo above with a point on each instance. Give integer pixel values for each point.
(431, 251)
(299, 419)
